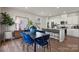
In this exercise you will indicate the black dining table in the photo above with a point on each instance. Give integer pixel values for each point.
(37, 35)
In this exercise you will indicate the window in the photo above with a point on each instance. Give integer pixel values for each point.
(21, 23)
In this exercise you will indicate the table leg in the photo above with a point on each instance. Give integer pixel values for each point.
(35, 47)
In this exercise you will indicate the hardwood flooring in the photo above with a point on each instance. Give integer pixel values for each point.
(70, 44)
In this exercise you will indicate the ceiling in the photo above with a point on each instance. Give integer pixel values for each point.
(47, 11)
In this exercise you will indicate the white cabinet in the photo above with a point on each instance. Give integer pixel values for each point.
(8, 35)
(73, 32)
(72, 19)
(59, 36)
(76, 32)
(69, 32)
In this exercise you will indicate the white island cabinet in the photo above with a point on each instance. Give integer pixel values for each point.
(61, 35)
(58, 34)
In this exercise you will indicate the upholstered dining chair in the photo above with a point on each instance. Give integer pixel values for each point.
(26, 40)
(42, 41)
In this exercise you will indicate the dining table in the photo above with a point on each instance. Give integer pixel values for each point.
(35, 36)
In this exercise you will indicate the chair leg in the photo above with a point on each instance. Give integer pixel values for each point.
(32, 45)
(43, 49)
(4, 40)
(27, 48)
(23, 47)
(49, 47)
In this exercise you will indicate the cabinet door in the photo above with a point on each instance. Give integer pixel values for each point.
(17, 34)
(73, 19)
(69, 32)
(69, 20)
(73, 32)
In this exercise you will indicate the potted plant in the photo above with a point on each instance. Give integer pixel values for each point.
(30, 23)
(7, 21)
(32, 28)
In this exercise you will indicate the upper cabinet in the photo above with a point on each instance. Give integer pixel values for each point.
(72, 19)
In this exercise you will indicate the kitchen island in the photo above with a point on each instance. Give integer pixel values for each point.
(58, 34)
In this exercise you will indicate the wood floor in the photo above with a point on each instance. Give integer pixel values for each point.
(70, 44)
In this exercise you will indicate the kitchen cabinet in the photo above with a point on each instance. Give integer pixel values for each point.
(72, 19)
(16, 34)
(73, 32)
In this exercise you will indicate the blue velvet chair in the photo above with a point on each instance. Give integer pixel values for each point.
(33, 30)
(26, 40)
(27, 30)
(46, 37)
(42, 41)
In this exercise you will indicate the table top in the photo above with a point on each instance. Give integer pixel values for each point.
(38, 34)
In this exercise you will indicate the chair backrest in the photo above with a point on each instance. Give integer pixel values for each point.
(33, 30)
(46, 37)
(27, 30)
(40, 39)
(26, 38)
(43, 38)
